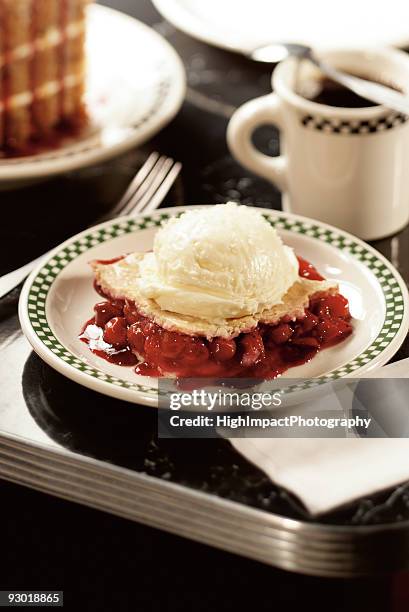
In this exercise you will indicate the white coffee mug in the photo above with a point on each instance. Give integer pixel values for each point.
(345, 166)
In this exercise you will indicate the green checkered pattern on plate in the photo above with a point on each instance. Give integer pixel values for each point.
(42, 283)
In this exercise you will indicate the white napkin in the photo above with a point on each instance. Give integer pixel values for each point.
(328, 472)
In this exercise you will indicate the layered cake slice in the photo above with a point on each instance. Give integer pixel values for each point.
(42, 70)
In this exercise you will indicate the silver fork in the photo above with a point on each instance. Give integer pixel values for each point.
(145, 193)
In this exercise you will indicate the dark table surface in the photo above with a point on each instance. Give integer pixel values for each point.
(104, 561)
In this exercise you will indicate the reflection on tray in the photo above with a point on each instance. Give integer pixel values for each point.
(124, 434)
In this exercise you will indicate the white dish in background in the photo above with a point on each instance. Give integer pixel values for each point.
(240, 25)
(135, 86)
(58, 298)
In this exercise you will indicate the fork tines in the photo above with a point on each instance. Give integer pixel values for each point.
(149, 186)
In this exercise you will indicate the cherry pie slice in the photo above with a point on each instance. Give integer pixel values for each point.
(130, 330)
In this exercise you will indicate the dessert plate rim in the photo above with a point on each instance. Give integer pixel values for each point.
(166, 84)
(37, 323)
(185, 19)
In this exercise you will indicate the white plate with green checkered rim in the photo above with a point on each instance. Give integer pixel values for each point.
(58, 298)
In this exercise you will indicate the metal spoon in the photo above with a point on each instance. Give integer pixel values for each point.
(381, 94)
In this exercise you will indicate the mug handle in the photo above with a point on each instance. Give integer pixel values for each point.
(246, 119)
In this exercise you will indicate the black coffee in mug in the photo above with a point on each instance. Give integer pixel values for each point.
(328, 92)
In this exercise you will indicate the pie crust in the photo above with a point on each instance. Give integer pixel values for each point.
(118, 280)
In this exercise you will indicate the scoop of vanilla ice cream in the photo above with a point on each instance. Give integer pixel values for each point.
(217, 263)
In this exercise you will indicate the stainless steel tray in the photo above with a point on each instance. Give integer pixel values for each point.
(52, 443)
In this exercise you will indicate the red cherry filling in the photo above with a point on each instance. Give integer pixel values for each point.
(105, 311)
(280, 334)
(195, 352)
(309, 321)
(264, 352)
(330, 332)
(115, 332)
(253, 348)
(307, 270)
(332, 306)
(136, 338)
(222, 349)
(172, 344)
